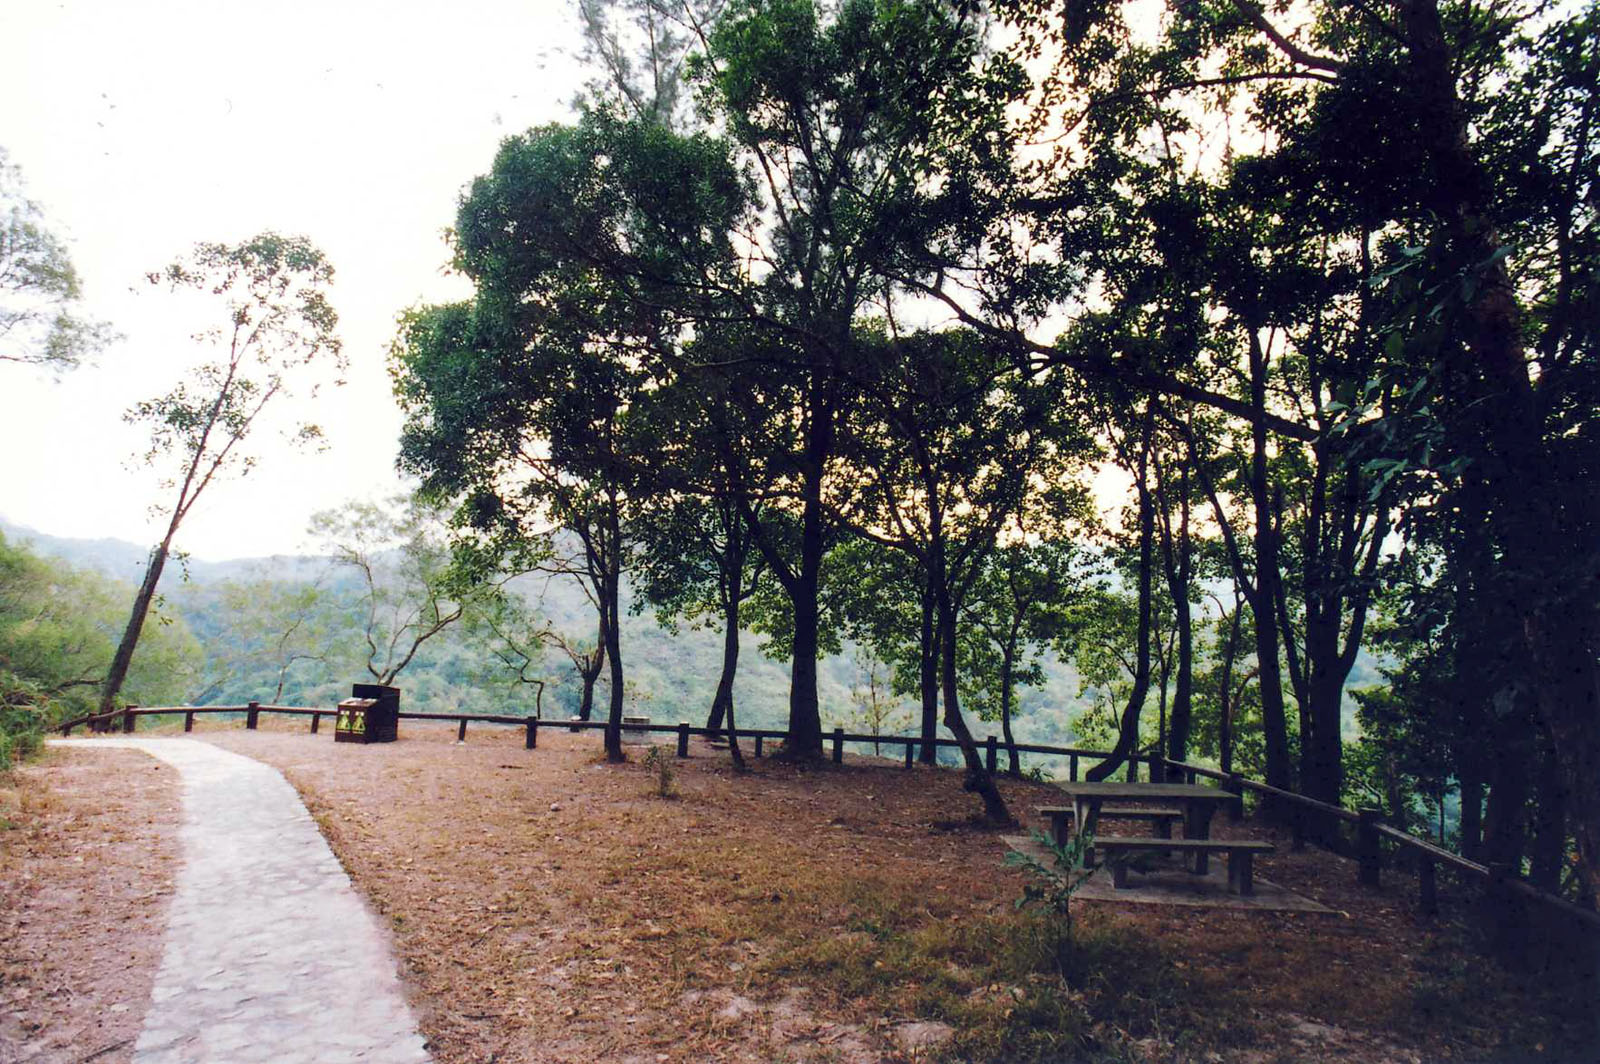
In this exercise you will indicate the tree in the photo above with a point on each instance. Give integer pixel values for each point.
(279, 327)
(410, 591)
(267, 627)
(1458, 143)
(947, 456)
(39, 288)
(641, 49)
(519, 402)
(1026, 599)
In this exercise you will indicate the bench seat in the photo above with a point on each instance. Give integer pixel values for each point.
(1059, 815)
(1241, 853)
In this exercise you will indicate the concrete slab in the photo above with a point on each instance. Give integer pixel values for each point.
(1164, 881)
(271, 957)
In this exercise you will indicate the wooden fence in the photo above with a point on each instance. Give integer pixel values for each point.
(1370, 833)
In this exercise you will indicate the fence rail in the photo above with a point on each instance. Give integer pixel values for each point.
(1370, 830)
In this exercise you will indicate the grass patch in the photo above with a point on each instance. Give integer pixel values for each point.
(998, 979)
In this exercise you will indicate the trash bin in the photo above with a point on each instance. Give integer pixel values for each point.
(371, 716)
(350, 726)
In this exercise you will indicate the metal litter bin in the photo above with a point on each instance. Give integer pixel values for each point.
(371, 716)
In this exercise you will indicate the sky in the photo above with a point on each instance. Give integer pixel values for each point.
(143, 128)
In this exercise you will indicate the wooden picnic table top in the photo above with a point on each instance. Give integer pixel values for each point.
(1184, 792)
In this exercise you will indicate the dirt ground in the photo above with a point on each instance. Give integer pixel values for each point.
(549, 907)
(88, 850)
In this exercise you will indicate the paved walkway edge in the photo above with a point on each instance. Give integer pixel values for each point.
(270, 954)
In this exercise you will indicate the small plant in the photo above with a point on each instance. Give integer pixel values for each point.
(1053, 885)
(658, 761)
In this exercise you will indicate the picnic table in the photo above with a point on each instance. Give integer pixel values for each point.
(1197, 803)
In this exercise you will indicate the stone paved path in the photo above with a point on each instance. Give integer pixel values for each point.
(270, 955)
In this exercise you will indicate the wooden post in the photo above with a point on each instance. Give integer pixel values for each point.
(991, 754)
(1072, 767)
(838, 746)
(758, 744)
(251, 715)
(1371, 860)
(683, 738)
(188, 721)
(316, 722)
(1428, 888)
(461, 731)
(127, 720)
(910, 747)
(531, 742)
(1235, 786)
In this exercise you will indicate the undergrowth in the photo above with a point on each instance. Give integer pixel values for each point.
(1009, 983)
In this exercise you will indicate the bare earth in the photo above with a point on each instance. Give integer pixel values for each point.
(549, 907)
(87, 858)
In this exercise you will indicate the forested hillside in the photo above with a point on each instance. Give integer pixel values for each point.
(226, 618)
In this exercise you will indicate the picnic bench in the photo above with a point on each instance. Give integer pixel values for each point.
(1194, 803)
(1240, 853)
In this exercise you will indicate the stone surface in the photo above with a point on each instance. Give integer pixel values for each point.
(270, 955)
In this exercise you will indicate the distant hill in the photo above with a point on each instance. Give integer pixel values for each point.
(126, 561)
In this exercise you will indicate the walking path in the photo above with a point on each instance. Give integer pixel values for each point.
(270, 954)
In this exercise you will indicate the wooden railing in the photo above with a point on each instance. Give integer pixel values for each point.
(1370, 831)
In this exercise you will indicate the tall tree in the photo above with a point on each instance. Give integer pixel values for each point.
(409, 591)
(279, 328)
(1025, 599)
(949, 446)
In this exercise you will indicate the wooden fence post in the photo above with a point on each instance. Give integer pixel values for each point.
(683, 738)
(758, 745)
(1072, 767)
(1235, 785)
(531, 741)
(252, 713)
(127, 720)
(316, 722)
(188, 721)
(1367, 845)
(910, 747)
(461, 731)
(838, 746)
(991, 754)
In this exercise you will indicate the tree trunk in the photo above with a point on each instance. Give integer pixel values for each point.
(1128, 733)
(1496, 420)
(722, 704)
(1549, 850)
(1183, 692)
(1505, 834)
(1015, 768)
(1263, 603)
(805, 718)
(978, 778)
(130, 634)
(609, 587)
(929, 649)
(1471, 815)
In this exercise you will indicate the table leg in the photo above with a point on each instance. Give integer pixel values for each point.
(1087, 813)
(1197, 825)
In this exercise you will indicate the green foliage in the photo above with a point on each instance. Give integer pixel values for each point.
(57, 627)
(39, 288)
(658, 762)
(1053, 884)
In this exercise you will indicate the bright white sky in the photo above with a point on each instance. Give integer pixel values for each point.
(142, 128)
